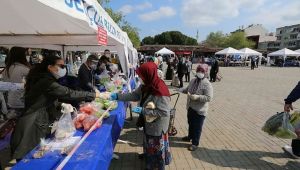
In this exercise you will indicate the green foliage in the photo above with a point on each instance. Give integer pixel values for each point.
(148, 40)
(170, 38)
(119, 18)
(236, 40)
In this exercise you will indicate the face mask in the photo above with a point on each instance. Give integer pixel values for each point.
(103, 66)
(107, 55)
(93, 66)
(200, 75)
(141, 81)
(61, 73)
(28, 58)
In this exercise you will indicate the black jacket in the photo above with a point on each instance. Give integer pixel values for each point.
(42, 108)
(85, 78)
(294, 95)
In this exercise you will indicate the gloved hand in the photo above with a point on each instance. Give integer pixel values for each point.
(150, 105)
(137, 110)
(104, 95)
(194, 97)
(180, 90)
(113, 96)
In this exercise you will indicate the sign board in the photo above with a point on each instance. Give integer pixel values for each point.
(102, 36)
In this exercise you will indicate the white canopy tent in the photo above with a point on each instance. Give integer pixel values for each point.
(164, 51)
(228, 51)
(298, 51)
(59, 25)
(248, 52)
(284, 53)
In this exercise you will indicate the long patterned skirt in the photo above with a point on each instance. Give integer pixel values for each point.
(156, 149)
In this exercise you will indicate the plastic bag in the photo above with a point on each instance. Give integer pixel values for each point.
(295, 118)
(89, 121)
(88, 108)
(278, 125)
(104, 77)
(64, 127)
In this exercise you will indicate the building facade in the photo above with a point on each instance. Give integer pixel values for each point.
(289, 37)
(258, 34)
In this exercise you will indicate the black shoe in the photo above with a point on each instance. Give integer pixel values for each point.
(192, 148)
(141, 156)
(186, 139)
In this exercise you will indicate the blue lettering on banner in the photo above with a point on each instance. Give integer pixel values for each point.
(77, 3)
(99, 20)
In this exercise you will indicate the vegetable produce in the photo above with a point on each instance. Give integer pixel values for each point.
(88, 108)
(278, 125)
(89, 121)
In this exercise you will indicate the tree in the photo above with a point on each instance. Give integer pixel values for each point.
(215, 39)
(170, 38)
(133, 33)
(236, 40)
(148, 40)
(119, 18)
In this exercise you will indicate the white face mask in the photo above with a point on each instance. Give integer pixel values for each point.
(103, 66)
(107, 55)
(28, 58)
(61, 73)
(94, 66)
(200, 75)
(141, 81)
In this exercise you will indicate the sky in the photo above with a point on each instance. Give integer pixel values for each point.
(156, 16)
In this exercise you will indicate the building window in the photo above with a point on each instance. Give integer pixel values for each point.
(279, 38)
(293, 36)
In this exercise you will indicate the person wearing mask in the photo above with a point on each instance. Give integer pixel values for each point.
(17, 68)
(214, 70)
(160, 62)
(181, 71)
(86, 73)
(43, 97)
(159, 72)
(188, 64)
(154, 98)
(294, 149)
(200, 93)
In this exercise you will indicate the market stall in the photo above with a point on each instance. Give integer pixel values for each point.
(247, 52)
(279, 57)
(228, 55)
(164, 51)
(69, 26)
(95, 153)
(63, 24)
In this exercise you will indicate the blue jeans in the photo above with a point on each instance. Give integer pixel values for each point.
(195, 122)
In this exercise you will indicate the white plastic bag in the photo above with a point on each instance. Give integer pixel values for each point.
(64, 127)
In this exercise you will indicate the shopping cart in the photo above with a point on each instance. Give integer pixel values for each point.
(172, 130)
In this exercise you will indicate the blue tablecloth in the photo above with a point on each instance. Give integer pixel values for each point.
(95, 153)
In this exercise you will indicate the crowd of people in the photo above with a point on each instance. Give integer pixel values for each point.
(38, 105)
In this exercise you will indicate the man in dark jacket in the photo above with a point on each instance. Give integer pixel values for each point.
(86, 73)
(293, 96)
(214, 70)
(181, 71)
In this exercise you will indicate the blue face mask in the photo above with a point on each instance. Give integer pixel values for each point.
(61, 73)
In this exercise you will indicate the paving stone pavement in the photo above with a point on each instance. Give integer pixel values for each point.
(232, 136)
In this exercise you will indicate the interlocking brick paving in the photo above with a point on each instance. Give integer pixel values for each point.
(232, 136)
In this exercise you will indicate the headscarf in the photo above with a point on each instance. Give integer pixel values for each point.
(201, 68)
(153, 84)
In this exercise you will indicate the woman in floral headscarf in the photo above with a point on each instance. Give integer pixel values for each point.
(200, 93)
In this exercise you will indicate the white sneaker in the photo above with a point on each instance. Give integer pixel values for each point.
(288, 149)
